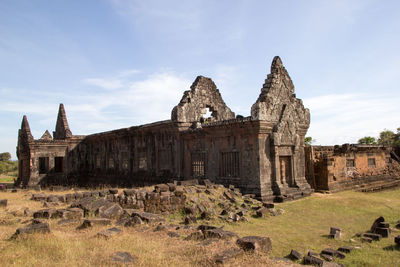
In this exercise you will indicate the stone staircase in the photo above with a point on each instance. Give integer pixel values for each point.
(292, 193)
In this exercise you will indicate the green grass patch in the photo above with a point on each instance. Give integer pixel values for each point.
(306, 223)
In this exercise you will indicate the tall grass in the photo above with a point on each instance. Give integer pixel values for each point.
(303, 226)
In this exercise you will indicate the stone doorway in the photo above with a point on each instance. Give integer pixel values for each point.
(285, 163)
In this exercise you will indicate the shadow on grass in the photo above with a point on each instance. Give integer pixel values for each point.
(392, 248)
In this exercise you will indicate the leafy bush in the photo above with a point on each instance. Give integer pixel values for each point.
(7, 165)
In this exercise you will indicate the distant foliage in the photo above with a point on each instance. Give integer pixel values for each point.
(6, 165)
(308, 141)
(367, 140)
(5, 156)
(389, 138)
(386, 138)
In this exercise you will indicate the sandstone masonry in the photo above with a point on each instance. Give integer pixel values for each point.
(262, 154)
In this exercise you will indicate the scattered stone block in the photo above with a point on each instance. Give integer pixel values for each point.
(197, 235)
(148, 217)
(129, 192)
(124, 257)
(383, 225)
(312, 253)
(70, 213)
(3, 203)
(227, 255)
(160, 228)
(334, 253)
(375, 237)
(365, 239)
(190, 219)
(326, 257)
(219, 234)
(376, 223)
(335, 232)
(268, 205)
(295, 255)
(28, 212)
(38, 221)
(253, 243)
(204, 227)
(113, 191)
(110, 211)
(42, 228)
(39, 197)
(313, 260)
(173, 234)
(109, 233)
(397, 240)
(95, 221)
(69, 198)
(262, 212)
(46, 213)
(384, 232)
(346, 249)
(161, 188)
(52, 198)
(67, 222)
(135, 220)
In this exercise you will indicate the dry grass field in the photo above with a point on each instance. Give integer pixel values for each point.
(303, 226)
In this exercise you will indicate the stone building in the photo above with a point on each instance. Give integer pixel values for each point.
(337, 168)
(262, 154)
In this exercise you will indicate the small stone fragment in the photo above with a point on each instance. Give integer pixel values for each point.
(335, 232)
(33, 228)
(124, 257)
(109, 233)
(227, 255)
(295, 255)
(346, 249)
(255, 243)
(3, 203)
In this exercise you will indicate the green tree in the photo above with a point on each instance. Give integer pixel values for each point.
(308, 141)
(6, 156)
(387, 138)
(367, 140)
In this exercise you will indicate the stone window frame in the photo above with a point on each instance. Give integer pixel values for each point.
(43, 165)
(229, 164)
(125, 160)
(111, 163)
(58, 164)
(350, 163)
(371, 162)
(198, 164)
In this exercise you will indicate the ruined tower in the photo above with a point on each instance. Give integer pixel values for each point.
(262, 154)
(282, 148)
(62, 129)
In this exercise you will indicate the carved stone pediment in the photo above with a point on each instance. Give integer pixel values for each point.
(278, 104)
(194, 103)
(277, 98)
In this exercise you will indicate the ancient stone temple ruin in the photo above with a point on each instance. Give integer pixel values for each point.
(262, 154)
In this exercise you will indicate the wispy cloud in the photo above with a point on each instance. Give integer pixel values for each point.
(345, 118)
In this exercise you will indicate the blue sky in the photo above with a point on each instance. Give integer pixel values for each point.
(118, 63)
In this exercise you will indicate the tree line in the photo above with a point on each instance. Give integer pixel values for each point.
(6, 164)
(386, 137)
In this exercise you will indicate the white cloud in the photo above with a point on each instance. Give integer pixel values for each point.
(338, 119)
(106, 84)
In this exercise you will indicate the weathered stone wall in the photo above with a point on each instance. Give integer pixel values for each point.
(348, 166)
(203, 94)
(262, 154)
(236, 138)
(284, 124)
